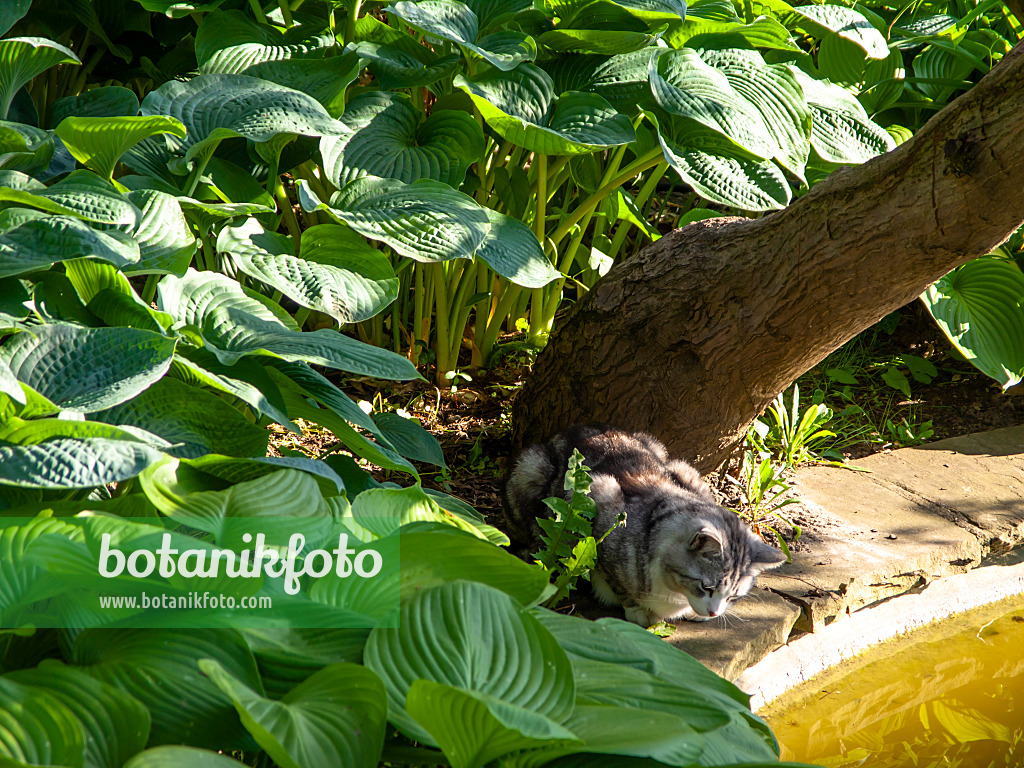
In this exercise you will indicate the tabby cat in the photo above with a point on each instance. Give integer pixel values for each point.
(678, 555)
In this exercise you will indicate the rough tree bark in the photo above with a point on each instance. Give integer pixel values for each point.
(695, 335)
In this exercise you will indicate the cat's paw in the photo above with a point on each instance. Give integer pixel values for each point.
(641, 616)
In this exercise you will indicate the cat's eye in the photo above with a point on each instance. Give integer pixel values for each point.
(709, 588)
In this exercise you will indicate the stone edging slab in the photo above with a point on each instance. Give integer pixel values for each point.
(914, 516)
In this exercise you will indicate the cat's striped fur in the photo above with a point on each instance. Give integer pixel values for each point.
(679, 553)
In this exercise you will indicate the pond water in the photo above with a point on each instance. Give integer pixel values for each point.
(949, 695)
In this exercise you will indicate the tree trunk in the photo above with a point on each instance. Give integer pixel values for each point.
(691, 338)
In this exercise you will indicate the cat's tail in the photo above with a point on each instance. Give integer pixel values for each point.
(533, 474)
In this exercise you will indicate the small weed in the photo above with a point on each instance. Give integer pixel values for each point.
(790, 435)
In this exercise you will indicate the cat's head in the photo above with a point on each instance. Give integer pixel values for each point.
(713, 558)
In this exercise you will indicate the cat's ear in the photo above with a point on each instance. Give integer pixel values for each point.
(705, 543)
(605, 492)
(763, 556)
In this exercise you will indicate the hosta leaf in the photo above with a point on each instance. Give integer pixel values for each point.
(35, 431)
(701, 159)
(623, 80)
(604, 42)
(935, 63)
(88, 369)
(776, 94)
(426, 220)
(337, 716)
(246, 379)
(390, 142)
(25, 148)
(109, 294)
(473, 729)
(684, 85)
(396, 60)
(216, 107)
(234, 323)
(979, 308)
(324, 79)
(488, 627)
(433, 558)
(512, 250)
(336, 272)
(74, 463)
(841, 131)
(286, 657)
(243, 470)
(44, 240)
(82, 194)
(11, 13)
(166, 242)
(115, 725)
(99, 142)
(106, 101)
(160, 670)
(521, 106)
(230, 42)
(821, 20)
(21, 59)
(623, 732)
(883, 80)
(410, 439)
(181, 757)
(762, 32)
(196, 422)
(383, 510)
(454, 21)
(38, 728)
(316, 386)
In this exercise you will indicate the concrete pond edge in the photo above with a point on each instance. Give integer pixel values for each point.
(918, 535)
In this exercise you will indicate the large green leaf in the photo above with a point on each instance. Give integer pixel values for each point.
(337, 716)
(38, 728)
(426, 220)
(106, 101)
(161, 670)
(115, 725)
(106, 293)
(326, 80)
(11, 13)
(979, 308)
(462, 634)
(181, 757)
(776, 94)
(195, 421)
(43, 240)
(522, 107)
(512, 250)
(21, 59)
(390, 142)
(25, 148)
(166, 242)
(233, 322)
(230, 42)
(23, 579)
(623, 80)
(286, 657)
(216, 107)
(686, 86)
(823, 20)
(99, 142)
(82, 194)
(841, 131)
(335, 273)
(474, 728)
(433, 558)
(34, 431)
(88, 369)
(74, 463)
(410, 439)
(455, 22)
(762, 32)
(711, 165)
(396, 59)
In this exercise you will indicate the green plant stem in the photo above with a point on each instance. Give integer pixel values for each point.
(209, 253)
(485, 283)
(509, 294)
(417, 314)
(301, 316)
(287, 211)
(441, 314)
(149, 289)
(258, 10)
(350, 22)
(197, 172)
(638, 166)
(539, 227)
(286, 13)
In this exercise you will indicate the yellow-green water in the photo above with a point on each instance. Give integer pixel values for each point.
(949, 695)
